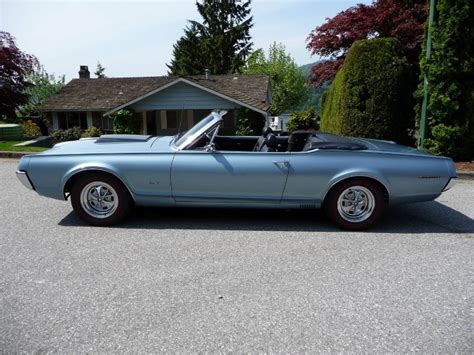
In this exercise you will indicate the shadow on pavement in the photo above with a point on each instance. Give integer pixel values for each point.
(430, 217)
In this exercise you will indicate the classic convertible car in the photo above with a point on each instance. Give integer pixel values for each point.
(352, 179)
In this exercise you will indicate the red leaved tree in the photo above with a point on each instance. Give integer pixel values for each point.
(402, 19)
(15, 66)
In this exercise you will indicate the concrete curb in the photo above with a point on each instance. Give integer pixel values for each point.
(462, 174)
(465, 174)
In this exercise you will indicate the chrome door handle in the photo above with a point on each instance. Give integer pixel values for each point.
(281, 164)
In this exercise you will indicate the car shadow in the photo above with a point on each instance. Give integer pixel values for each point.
(429, 217)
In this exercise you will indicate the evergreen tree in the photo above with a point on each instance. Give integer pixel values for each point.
(188, 58)
(220, 43)
(450, 74)
(99, 71)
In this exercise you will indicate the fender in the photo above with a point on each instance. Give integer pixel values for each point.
(347, 174)
(95, 166)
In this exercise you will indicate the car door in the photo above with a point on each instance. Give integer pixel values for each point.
(229, 177)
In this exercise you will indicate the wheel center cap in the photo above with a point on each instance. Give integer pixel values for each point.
(99, 200)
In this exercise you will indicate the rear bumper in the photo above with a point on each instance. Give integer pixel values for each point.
(24, 179)
(450, 183)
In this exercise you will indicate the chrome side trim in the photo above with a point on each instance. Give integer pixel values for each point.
(24, 179)
(450, 184)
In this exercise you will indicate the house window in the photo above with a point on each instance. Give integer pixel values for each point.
(107, 124)
(68, 120)
(97, 119)
(198, 115)
(176, 119)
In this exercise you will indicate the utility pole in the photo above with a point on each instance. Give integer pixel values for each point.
(424, 105)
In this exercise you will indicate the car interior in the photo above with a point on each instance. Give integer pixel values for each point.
(269, 141)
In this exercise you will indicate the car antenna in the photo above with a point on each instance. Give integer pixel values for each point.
(181, 118)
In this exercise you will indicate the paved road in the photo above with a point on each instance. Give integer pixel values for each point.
(215, 280)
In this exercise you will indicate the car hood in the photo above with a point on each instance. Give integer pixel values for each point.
(128, 144)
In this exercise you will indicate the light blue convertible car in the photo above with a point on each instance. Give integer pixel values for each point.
(352, 179)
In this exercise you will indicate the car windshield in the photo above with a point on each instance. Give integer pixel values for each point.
(197, 130)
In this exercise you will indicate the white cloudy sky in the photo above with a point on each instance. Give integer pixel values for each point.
(135, 38)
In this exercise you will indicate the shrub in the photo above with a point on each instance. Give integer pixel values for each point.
(91, 132)
(452, 141)
(451, 82)
(126, 122)
(305, 119)
(30, 129)
(249, 123)
(371, 95)
(64, 135)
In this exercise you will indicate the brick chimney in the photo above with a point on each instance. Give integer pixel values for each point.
(84, 72)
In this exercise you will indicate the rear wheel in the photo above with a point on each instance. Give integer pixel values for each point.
(355, 204)
(100, 199)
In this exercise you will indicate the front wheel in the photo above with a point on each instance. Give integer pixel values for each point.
(356, 204)
(100, 199)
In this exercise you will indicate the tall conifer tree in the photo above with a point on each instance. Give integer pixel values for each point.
(221, 42)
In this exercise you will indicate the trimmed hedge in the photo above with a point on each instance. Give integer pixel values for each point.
(450, 74)
(371, 96)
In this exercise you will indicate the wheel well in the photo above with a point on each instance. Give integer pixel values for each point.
(72, 180)
(382, 186)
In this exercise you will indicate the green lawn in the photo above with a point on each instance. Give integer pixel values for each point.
(9, 146)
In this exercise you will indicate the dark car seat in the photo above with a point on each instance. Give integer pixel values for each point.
(271, 143)
(261, 140)
(298, 139)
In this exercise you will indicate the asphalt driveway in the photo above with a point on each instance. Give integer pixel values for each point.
(234, 280)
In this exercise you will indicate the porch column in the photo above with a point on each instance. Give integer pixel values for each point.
(55, 120)
(164, 123)
(144, 122)
(190, 118)
(89, 119)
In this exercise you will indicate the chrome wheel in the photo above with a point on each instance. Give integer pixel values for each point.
(99, 199)
(356, 204)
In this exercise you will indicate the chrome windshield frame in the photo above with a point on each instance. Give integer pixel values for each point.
(217, 118)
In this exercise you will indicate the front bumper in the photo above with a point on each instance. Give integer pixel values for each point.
(24, 179)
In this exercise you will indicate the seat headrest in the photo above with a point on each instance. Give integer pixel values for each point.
(272, 141)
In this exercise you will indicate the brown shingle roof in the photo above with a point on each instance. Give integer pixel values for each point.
(108, 93)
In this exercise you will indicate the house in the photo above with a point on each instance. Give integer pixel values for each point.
(165, 104)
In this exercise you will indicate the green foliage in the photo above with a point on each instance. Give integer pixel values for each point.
(64, 135)
(451, 81)
(126, 122)
(449, 140)
(314, 98)
(220, 43)
(188, 58)
(43, 86)
(305, 119)
(99, 71)
(249, 123)
(30, 129)
(91, 132)
(289, 86)
(371, 94)
(332, 103)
